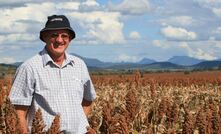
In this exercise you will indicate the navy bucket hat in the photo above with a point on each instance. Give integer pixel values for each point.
(57, 22)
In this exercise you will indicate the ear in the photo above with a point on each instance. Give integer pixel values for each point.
(70, 39)
(45, 35)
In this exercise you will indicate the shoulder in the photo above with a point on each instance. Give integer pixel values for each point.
(77, 60)
(31, 62)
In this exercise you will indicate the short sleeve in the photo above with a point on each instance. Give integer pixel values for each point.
(23, 86)
(89, 91)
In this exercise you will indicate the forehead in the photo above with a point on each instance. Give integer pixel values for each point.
(58, 31)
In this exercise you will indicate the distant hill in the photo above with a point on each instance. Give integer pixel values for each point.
(207, 65)
(152, 66)
(94, 63)
(146, 61)
(184, 60)
(124, 66)
(6, 66)
(163, 65)
(17, 64)
(174, 63)
(6, 69)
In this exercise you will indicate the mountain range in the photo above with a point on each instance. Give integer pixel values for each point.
(174, 63)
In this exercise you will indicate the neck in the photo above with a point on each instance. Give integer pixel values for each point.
(58, 59)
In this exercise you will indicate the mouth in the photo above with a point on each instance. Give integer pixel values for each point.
(57, 45)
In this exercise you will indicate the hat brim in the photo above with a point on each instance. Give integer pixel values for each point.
(62, 28)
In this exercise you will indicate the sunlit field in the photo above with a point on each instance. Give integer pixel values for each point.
(151, 103)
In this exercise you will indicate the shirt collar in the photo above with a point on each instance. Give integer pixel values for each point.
(47, 59)
(68, 59)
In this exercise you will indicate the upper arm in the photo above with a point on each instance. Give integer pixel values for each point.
(23, 86)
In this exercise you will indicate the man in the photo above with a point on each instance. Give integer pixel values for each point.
(54, 81)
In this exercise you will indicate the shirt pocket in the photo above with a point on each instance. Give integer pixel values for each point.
(77, 87)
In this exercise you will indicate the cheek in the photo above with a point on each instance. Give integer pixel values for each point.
(47, 41)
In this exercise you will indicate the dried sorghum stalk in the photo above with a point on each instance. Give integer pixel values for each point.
(118, 125)
(2, 112)
(113, 122)
(149, 129)
(90, 130)
(173, 115)
(149, 120)
(219, 116)
(11, 119)
(201, 121)
(137, 77)
(219, 109)
(3, 95)
(153, 88)
(132, 105)
(209, 121)
(94, 122)
(188, 126)
(38, 123)
(171, 131)
(164, 108)
(215, 122)
(150, 116)
(107, 118)
(2, 121)
(55, 126)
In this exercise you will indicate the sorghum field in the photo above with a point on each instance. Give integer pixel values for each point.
(151, 103)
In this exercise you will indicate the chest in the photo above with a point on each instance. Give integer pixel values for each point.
(59, 79)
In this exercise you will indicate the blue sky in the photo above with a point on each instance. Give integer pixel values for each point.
(116, 30)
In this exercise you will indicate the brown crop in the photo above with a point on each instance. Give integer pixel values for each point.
(162, 103)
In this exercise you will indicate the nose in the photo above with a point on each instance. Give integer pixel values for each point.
(59, 39)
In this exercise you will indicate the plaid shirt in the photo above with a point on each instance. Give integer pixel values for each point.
(40, 83)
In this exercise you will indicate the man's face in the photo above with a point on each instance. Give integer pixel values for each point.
(57, 42)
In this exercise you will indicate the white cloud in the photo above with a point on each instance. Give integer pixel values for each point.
(178, 20)
(90, 3)
(131, 7)
(204, 55)
(104, 27)
(31, 12)
(175, 33)
(213, 5)
(68, 5)
(197, 53)
(127, 58)
(209, 2)
(185, 46)
(7, 60)
(86, 41)
(134, 35)
(8, 2)
(218, 30)
(218, 45)
(212, 38)
(13, 38)
(161, 44)
(217, 11)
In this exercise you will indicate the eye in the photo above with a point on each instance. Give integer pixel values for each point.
(54, 35)
(64, 36)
